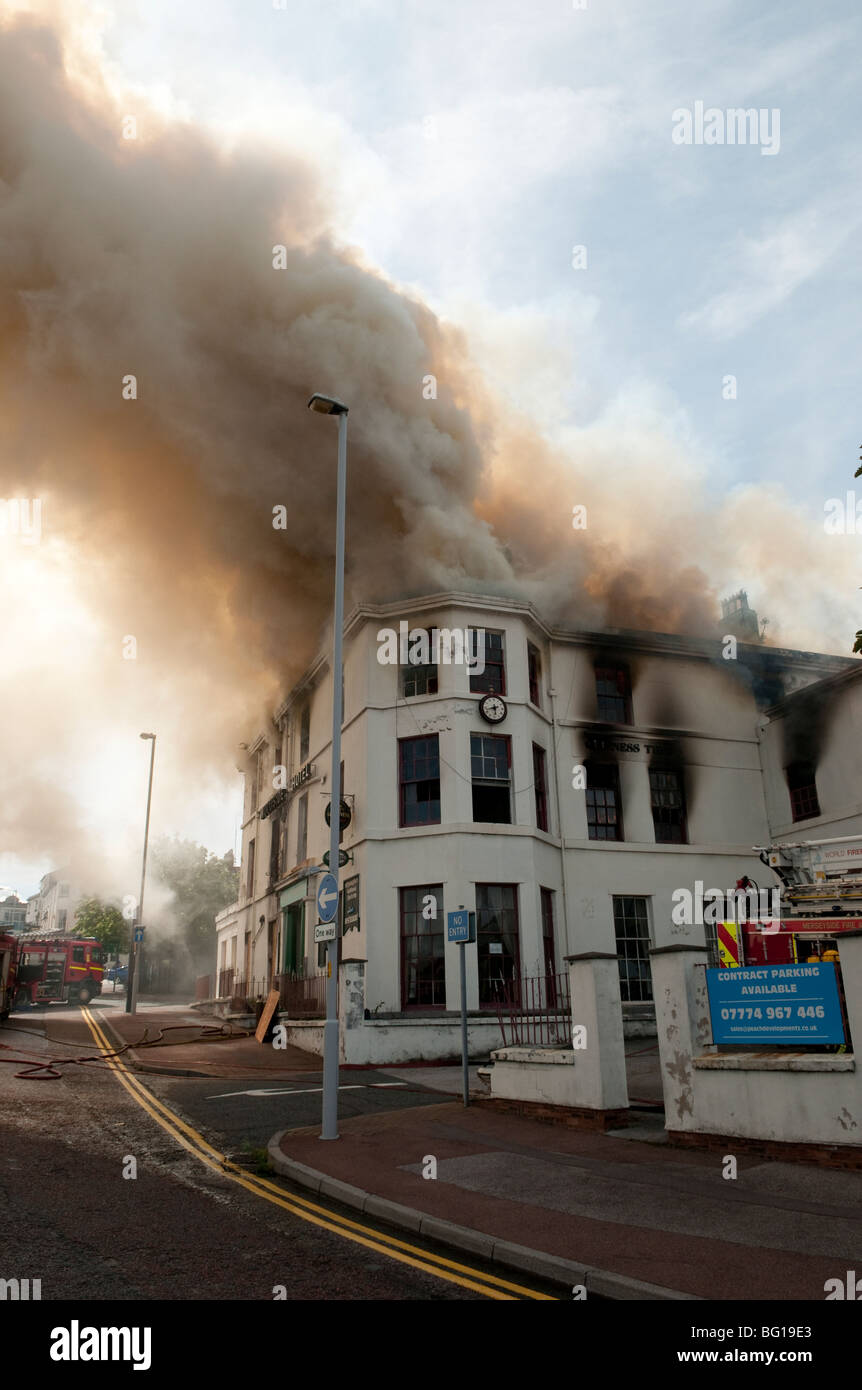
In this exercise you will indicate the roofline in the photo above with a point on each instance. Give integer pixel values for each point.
(843, 677)
(637, 639)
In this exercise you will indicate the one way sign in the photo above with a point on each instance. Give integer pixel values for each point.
(327, 898)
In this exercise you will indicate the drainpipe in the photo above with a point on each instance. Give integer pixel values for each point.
(552, 694)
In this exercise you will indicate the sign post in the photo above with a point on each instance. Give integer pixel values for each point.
(461, 928)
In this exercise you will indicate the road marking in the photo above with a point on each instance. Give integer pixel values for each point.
(308, 1091)
(427, 1263)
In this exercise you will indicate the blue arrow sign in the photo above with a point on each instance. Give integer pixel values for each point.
(327, 897)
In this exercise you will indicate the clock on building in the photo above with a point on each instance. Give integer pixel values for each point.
(492, 708)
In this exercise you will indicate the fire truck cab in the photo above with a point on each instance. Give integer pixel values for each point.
(8, 956)
(65, 968)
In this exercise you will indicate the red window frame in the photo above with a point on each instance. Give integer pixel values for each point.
(436, 938)
(540, 783)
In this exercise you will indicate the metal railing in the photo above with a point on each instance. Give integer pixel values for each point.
(303, 996)
(299, 996)
(535, 1011)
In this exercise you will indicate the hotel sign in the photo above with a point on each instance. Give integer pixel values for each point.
(305, 774)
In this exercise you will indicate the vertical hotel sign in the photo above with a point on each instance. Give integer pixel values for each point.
(728, 945)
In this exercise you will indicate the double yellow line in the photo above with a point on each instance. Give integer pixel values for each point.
(437, 1265)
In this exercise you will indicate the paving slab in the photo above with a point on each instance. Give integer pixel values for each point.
(644, 1220)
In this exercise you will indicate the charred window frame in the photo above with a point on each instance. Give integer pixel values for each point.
(534, 673)
(614, 694)
(631, 927)
(423, 965)
(419, 780)
(491, 770)
(802, 785)
(420, 679)
(667, 795)
(540, 785)
(604, 803)
(492, 680)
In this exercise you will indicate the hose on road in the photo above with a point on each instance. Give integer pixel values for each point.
(40, 1069)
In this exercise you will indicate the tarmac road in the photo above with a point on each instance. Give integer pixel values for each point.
(180, 1229)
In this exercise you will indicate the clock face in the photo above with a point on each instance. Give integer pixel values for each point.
(492, 708)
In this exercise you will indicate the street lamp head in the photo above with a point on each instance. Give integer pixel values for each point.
(147, 736)
(327, 405)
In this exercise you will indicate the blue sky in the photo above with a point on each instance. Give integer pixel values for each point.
(468, 147)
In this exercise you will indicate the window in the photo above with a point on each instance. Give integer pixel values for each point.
(631, 925)
(423, 972)
(61, 919)
(604, 819)
(64, 890)
(304, 733)
(249, 887)
(95, 954)
(534, 669)
(302, 828)
(493, 678)
(418, 679)
(490, 760)
(550, 955)
(802, 786)
(668, 807)
(540, 784)
(275, 846)
(78, 955)
(613, 694)
(496, 939)
(419, 780)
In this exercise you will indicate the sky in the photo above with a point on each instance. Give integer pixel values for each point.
(467, 150)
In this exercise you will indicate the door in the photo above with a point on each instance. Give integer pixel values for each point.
(294, 939)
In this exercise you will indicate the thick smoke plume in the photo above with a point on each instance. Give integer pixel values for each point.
(153, 257)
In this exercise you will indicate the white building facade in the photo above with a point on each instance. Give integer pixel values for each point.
(563, 794)
(53, 907)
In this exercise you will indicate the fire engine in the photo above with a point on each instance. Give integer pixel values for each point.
(8, 956)
(67, 968)
(821, 890)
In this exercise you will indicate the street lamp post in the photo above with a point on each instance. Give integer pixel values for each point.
(132, 982)
(326, 405)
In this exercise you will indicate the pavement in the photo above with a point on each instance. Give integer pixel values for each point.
(623, 1213)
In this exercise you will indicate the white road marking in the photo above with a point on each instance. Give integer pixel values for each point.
(309, 1091)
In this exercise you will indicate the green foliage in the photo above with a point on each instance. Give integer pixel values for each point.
(202, 884)
(104, 922)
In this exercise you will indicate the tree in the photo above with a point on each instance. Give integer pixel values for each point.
(104, 922)
(202, 884)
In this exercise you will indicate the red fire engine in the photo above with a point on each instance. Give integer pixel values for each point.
(821, 890)
(8, 957)
(67, 968)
